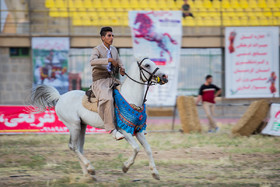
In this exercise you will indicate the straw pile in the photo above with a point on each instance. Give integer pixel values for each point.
(188, 114)
(260, 128)
(252, 118)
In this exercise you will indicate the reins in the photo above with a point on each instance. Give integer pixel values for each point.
(135, 80)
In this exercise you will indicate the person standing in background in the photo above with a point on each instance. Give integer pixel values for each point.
(207, 94)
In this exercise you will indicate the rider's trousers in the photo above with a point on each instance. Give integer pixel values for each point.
(104, 94)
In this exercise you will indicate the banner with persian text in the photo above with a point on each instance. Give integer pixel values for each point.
(273, 126)
(157, 35)
(252, 62)
(19, 119)
(50, 56)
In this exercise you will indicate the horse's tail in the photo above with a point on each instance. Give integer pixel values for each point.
(44, 97)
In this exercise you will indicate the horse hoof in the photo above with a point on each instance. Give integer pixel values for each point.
(91, 171)
(156, 176)
(125, 169)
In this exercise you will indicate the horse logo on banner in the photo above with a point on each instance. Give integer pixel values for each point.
(146, 31)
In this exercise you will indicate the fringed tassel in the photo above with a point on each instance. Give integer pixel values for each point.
(142, 129)
(126, 128)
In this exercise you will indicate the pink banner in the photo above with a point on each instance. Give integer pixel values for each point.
(18, 120)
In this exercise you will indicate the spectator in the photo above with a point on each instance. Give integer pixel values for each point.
(186, 9)
(207, 94)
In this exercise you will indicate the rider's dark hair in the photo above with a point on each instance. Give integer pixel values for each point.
(208, 77)
(104, 30)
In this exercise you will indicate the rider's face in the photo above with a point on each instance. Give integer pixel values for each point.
(108, 38)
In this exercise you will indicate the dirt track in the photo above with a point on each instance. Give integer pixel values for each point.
(182, 160)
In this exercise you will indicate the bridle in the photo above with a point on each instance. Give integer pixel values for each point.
(142, 74)
(149, 80)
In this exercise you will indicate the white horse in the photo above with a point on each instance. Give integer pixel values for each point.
(71, 112)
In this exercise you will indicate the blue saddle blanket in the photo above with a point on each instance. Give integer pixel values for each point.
(128, 118)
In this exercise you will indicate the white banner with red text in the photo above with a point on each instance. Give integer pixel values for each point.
(19, 119)
(252, 62)
(157, 35)
(273, 126)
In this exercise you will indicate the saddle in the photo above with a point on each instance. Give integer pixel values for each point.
(90, 101)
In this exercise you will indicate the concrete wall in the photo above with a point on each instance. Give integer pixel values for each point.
(15, 78)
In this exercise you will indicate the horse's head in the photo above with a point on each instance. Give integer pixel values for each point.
(149, 71)
(142, 19)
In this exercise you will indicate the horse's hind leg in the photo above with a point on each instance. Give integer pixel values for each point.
(81, 140)
(129, 138)
(77, 133)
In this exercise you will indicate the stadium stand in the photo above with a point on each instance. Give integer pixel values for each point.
(207, 13)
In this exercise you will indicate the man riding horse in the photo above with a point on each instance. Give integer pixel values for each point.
(130, 120)
(104, 61)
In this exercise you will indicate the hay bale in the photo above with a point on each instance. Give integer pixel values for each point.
(166, 111)
(188, 114)
(260, 128)
(252, 118)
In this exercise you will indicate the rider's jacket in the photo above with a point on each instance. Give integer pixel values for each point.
(99, 61)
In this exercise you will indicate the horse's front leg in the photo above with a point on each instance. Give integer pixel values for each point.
(129, 138)
(142, 139)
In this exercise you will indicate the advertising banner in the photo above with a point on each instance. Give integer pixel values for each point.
(273, 126)
(19, 119)
(50, 62)
(4, 14)
(157, 35)
(79, 64)
(252, 62)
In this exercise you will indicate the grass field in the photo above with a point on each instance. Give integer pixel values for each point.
(182, 160)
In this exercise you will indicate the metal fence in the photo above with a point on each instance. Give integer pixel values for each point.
(195, 64)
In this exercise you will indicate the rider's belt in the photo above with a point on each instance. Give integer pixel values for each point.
(97, 76)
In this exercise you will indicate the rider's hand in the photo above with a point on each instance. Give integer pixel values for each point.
(122, 71)
(114, 63)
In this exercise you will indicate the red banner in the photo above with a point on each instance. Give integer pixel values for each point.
(18, 120)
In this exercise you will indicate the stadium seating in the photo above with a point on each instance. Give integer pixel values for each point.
(206, 12)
